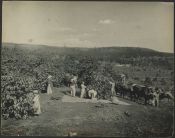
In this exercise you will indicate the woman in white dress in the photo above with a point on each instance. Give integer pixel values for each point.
(36, 103)
(50, 85)
(83, 87)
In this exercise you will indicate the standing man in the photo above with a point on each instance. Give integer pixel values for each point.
(73, 83)
(123, 78)
(156, 97)
(112, 88)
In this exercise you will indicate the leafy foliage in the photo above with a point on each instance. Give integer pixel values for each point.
(26, 68)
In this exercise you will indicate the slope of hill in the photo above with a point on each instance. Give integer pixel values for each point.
(101, 51)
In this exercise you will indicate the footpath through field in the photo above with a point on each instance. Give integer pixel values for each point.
(69, 99)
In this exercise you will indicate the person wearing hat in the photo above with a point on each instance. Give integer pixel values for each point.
(112, 88)
(123, 79)
(36, 103)
(73, 84)
(50, 85)
(156, 93)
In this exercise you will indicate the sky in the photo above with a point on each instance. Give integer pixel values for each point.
(89, 24)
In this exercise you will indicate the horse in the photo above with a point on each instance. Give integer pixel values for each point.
(140, 91)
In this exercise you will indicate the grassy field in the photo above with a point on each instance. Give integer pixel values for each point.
(89, 119)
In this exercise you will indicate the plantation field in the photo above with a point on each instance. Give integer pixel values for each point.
(89, 119)
(25, 68)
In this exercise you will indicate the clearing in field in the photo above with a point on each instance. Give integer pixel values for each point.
(70, 99)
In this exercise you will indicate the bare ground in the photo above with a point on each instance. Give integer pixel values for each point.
(93, 119)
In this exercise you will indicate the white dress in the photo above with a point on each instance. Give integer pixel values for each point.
(36, 105)
(83, 87)
(112, 88)
(49, 89)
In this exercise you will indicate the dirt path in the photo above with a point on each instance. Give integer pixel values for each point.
(88, 119)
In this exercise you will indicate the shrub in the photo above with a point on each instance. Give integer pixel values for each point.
(101, 84)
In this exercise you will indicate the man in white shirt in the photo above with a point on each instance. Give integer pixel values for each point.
(73, 83)
(112, 88)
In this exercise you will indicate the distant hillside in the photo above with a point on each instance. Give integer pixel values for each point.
(134, 56)
(112, 52)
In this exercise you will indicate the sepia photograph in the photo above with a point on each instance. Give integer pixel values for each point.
(87, 69)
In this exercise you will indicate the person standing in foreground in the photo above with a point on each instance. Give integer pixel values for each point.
(83, 87)
(50, 85)
(73, 83)
(36, 103)
(156, 97)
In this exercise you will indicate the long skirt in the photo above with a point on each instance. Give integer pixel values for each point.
(36, 106)
(73, 91)
(49, 89)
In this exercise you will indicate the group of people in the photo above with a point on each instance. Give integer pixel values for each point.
(73, 83)
(159, 94)
(85, 92)
(90, 93)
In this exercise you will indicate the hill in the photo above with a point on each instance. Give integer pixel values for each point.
(110, 52)
(25, 68)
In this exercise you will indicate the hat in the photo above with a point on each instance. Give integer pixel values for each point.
(49, 76)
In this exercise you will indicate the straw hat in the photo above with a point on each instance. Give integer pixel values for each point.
(49, 76)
